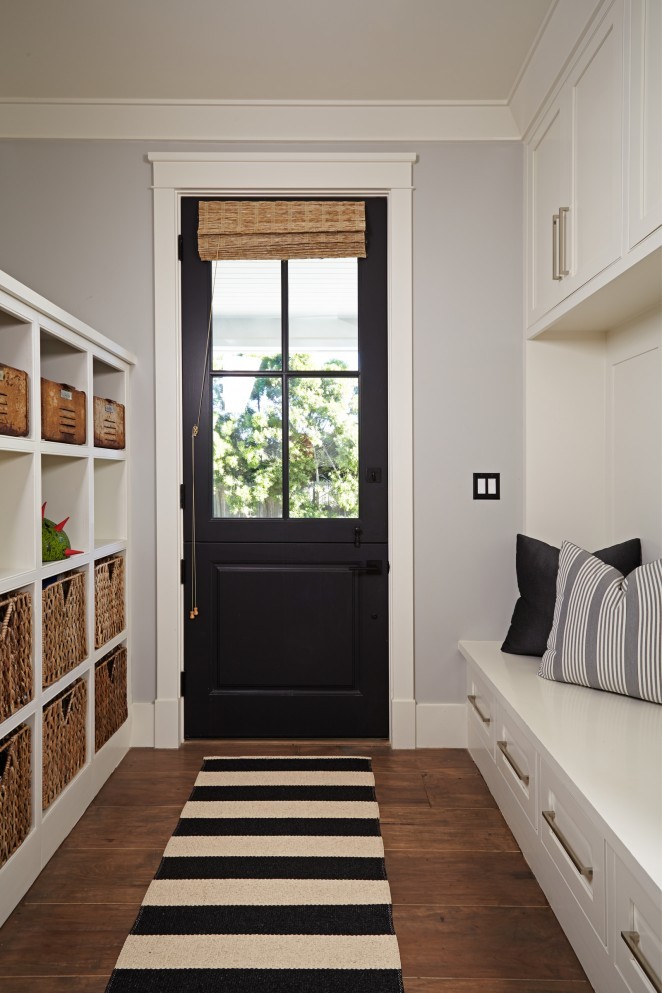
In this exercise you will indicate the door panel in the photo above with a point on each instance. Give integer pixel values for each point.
(291, 493)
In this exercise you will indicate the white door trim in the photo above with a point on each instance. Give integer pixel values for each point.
(269, 174)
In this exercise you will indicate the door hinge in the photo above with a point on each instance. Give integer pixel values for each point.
(182, 683)
(182, 496)
(182, 571)
(180, 247)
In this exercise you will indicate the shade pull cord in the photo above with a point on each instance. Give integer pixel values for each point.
(193, 612)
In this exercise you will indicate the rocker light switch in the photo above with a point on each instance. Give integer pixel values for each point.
(487, 486)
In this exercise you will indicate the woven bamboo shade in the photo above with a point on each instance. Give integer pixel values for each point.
(281, 229)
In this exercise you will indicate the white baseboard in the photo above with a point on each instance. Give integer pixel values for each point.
(166, 723)
(403, 723)
(415, 725)
(441, 725)
(142, 727)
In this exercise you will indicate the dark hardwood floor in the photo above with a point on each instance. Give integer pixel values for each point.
(469, 915)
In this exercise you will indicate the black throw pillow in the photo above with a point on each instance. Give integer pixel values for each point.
(537, 566)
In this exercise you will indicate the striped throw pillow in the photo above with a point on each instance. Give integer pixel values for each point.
(607, 630)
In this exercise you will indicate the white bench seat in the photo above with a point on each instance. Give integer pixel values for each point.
(577, 774)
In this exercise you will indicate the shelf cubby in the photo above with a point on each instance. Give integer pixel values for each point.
(108, 381)
(62, 362)
(109, 502)
(17, 512)
(16, 351)
(65, 490)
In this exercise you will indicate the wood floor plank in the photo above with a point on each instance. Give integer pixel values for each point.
(469, 943)
(424, 760)
(499, 879)
(413, 985)
(468, 829)
(104, 826)
(53, 984)
(401, 788)
(137, 789)
(77, 876)
(39, 940)
(457, 788)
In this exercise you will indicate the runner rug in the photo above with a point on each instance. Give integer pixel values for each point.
(273, 882)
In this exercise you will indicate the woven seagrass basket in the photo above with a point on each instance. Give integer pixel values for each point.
(110, 696)
(15, 790)
(63, 626)
(64, 739)
(15, 652)
(109, 610)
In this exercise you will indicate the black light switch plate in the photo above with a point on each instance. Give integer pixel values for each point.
(487, 485)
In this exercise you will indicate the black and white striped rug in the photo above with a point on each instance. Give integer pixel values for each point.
(273, 882)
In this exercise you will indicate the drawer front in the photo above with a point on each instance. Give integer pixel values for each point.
(482, 709)
(516, 760)
(635, 929)
(576, 846)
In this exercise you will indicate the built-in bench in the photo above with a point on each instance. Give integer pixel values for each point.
(577, 773)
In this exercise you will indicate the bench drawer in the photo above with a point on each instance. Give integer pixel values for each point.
(576, 846)
(482, 709)
(516, 760)
(635, 926)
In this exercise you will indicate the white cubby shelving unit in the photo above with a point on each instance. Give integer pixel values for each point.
(89, 485)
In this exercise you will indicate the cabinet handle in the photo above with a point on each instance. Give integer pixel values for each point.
(583, 870)
(631, 939)
(555, 244)
(472, 701)
(563, 248)
(503, 745)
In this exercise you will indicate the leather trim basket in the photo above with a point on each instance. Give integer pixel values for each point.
(108, 423)
(62, 413)
(109, 609)
(14, 402)
(63, 739)
(15, 652)
(110, 696)
(15, 790)
(64, 626)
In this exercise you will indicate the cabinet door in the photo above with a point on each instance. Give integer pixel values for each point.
(645, 137)
(595, 221)
(548, 189)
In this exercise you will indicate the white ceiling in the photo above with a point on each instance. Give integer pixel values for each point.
(265, 49)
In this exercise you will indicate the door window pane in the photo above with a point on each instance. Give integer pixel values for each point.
(323, 313)
(246, 321)
(324, 446)
(247, 448)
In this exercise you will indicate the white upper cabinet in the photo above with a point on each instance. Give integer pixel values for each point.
(550, 185)
(645, 131)
(575, 173)
(595, 88)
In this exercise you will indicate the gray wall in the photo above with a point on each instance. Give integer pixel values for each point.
(76, 226)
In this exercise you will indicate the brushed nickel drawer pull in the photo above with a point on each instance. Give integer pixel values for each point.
(472, 700)
(631, 939)
(583, 870)
(563, 247)
(555, 247)
(503, 745)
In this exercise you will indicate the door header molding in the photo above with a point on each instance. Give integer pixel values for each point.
(176, 175)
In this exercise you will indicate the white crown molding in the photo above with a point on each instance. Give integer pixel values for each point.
(560, 34)
(252, 120)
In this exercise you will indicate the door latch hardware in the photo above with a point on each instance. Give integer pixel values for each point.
(182, 683)
(373, 475)
(182, 571)
(357, 537)
(373, 567)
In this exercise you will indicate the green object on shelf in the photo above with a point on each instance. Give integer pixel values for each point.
(55, 544)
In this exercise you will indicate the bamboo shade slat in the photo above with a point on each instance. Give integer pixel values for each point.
(281, 229)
